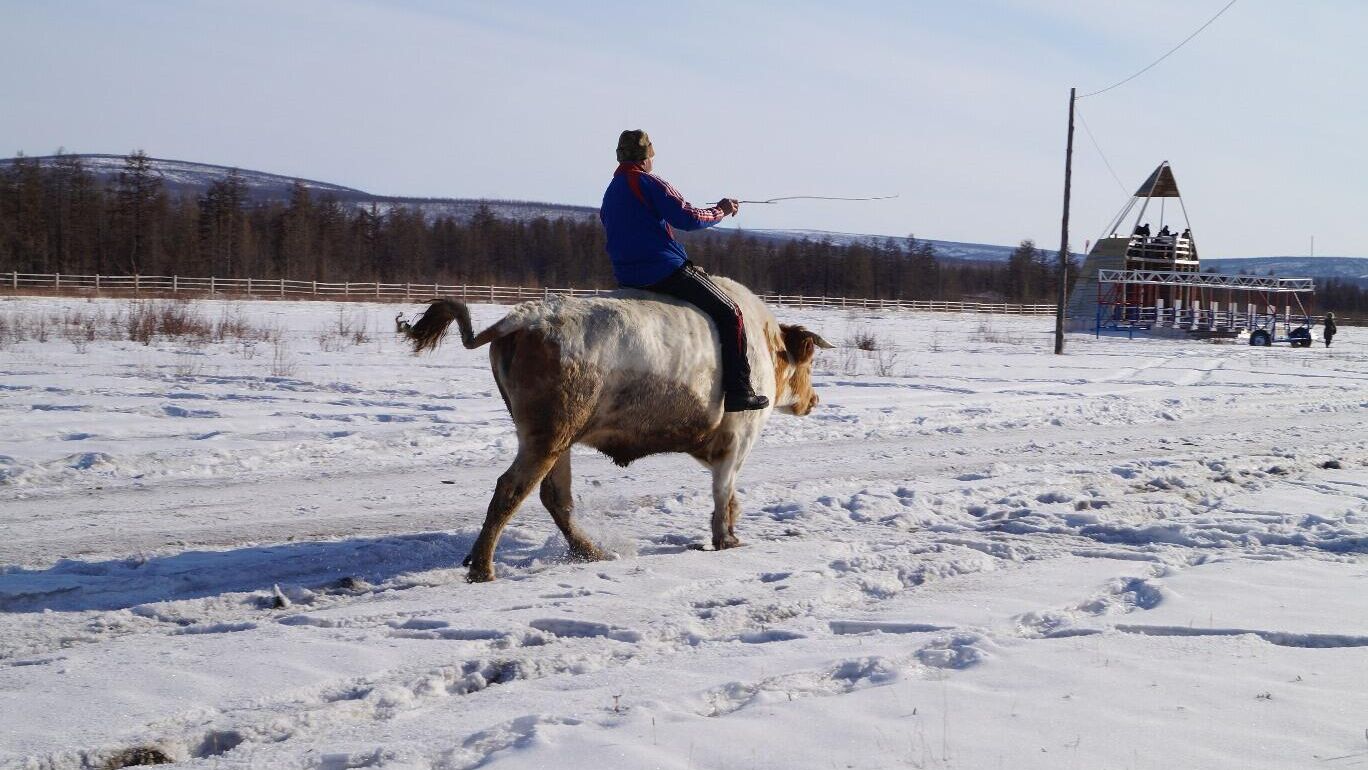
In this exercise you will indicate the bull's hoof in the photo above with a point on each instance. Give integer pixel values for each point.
(466, 561)
(587, 553)
(723, 543)
(479, 575)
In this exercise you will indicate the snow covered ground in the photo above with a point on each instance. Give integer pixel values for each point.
(973, 554)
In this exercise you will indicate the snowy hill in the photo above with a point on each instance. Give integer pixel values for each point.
(954, 250)
(188, 178)
(1343, 268)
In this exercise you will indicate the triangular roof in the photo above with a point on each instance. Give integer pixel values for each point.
(1160, 184)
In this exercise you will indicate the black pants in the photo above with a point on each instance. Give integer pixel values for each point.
(692, 285)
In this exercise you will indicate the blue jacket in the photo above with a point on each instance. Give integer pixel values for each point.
(639, 211)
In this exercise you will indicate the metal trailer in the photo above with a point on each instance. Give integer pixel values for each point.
(1209, 305)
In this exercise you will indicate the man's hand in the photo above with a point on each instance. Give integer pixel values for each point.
(729, 206)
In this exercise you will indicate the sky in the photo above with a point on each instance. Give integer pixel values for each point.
(958, 108)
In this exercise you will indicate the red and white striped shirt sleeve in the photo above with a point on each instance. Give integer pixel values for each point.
(677, 211)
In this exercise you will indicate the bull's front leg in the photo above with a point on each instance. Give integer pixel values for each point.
(725, 509)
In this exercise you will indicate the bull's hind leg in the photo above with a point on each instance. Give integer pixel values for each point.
(555, 495)
(513, 487)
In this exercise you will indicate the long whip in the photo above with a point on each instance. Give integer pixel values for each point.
(822, 198)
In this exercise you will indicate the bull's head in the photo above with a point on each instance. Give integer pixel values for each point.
(793, 369)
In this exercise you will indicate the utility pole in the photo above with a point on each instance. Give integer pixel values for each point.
(1064, 233)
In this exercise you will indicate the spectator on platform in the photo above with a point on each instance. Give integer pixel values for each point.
(1143, 230)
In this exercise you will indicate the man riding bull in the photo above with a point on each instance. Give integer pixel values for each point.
(639, 213)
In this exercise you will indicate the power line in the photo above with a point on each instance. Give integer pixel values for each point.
(1165, 56)
(1101, 154)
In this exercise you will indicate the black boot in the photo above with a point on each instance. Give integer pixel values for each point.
(744, 400)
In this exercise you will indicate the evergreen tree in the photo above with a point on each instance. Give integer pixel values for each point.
(223, 225)
(139, 203)
(294, 250)
(23, 216)
(925, 270)
(1030, 276)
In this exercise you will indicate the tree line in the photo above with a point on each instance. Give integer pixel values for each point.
(56, 217)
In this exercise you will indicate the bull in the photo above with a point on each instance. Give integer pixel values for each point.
(630, 374)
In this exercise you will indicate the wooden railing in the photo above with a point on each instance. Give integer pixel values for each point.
(280, 288)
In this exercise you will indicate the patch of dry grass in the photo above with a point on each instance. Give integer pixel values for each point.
(141, 321)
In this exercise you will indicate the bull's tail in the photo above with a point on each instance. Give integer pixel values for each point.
(427, 332)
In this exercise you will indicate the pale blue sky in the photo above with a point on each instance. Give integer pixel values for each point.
(959, 107)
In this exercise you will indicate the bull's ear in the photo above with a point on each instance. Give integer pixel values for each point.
(796, 338)
(800, 343)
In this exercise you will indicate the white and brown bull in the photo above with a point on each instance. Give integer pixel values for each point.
(630, 374)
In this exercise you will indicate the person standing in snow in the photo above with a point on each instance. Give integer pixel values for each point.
(1330, 328)
(639, 214)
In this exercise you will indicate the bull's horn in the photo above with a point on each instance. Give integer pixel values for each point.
(401, 326)
(821, 343)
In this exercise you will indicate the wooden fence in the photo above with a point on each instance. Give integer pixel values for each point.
(280, 288)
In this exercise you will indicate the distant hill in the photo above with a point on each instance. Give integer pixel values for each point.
(192, 179)
(1353, 269)
(954, 250)
(1344, 268)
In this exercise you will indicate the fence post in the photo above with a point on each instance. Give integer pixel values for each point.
(137, 284)
(175, 284)
(346, 289)
(314, 291)
(282, 287)
(491, 294)
(249, 287)
(211, 285)
(57, 282)
(97, 283)
(408, 291)
(377, 290)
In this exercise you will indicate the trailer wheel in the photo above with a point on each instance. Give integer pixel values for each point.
(1260, 338)
(1300, 337)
